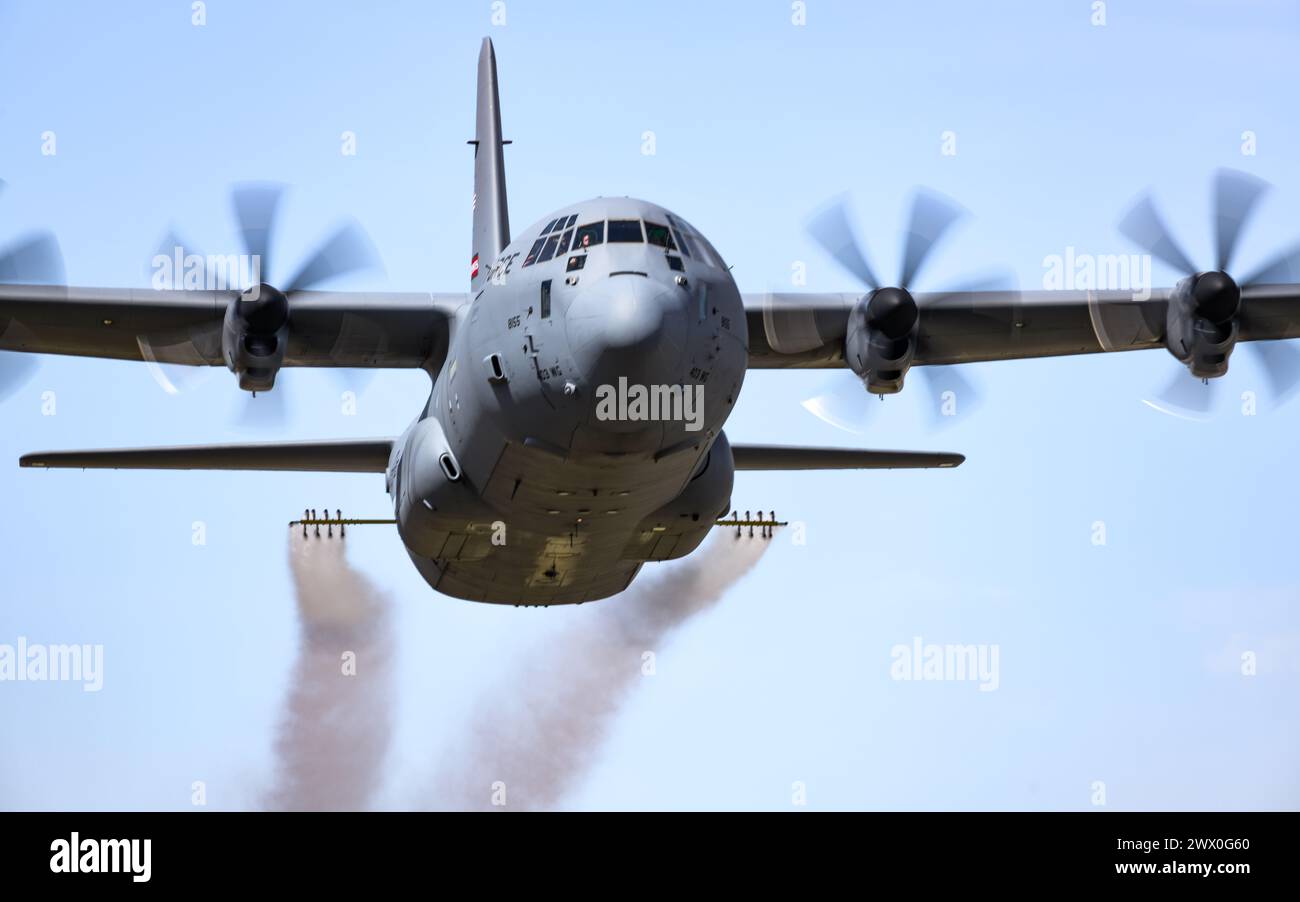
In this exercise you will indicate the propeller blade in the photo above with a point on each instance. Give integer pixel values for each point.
(945, 409)
(1143, 226)
(932, 215)
(168, 246)
(33, 260)
(1185, 396)
(844, 404)
(15, 371)
(255, 208)
(36, 259)
(348, 250)
(1280, 361)
(1236, 195)
(831, 229)
(1284, 269)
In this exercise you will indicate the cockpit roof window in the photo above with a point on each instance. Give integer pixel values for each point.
(550, 225)
(573, 217)
(625, 230)
(659, 235)
(589, 235)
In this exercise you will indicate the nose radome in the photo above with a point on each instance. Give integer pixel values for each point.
(628, 326)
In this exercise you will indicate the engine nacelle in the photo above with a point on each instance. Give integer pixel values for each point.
(255, 335)
(881, 339)
(1201, 323)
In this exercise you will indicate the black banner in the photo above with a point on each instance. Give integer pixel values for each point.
(215, 849)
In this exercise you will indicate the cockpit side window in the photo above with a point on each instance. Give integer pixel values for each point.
(693, 244)
(589, 235)
(683, 235)
(532, 252)
(625, 231)
(659, 235)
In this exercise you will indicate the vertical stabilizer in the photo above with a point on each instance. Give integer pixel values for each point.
(491, 218)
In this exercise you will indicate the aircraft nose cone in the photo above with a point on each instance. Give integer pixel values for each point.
(631, 318)
(631, 327)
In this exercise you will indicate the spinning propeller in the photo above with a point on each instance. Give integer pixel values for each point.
(265, 307)
(892, 311)
(1216, 295)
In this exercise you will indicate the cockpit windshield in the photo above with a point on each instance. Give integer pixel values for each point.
(626, 231)
(659, 235)
(592, 233)
(560, 236)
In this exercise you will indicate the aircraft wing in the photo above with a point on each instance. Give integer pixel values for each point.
(793, 457)
(371, 456)
(327, 328)
(808, 329)
(363, 456)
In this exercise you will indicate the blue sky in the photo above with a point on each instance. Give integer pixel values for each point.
(1118, 663)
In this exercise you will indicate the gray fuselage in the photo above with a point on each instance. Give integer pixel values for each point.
(574, 430)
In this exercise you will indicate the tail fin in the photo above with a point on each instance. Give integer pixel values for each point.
(491, 217)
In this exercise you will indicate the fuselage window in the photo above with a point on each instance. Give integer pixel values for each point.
(659, 235)
(532, 252)
(592, 233)
(564, 243)
(625, 231)
(675, 263)
(548, 249)
(546, 299)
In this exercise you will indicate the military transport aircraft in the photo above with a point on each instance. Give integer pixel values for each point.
(581, 386)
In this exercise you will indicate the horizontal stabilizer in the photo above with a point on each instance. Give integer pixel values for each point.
(793, 457)
(364, 456)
